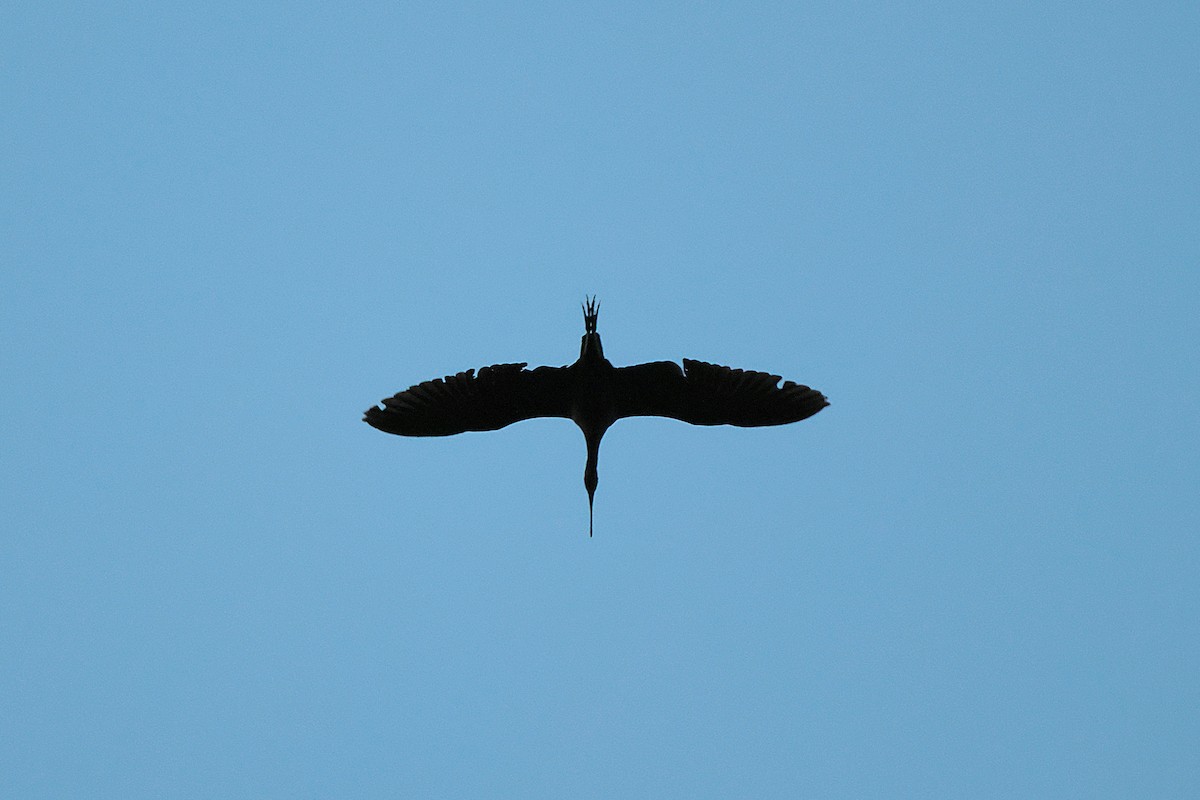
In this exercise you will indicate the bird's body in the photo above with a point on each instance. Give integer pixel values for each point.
(594, 394)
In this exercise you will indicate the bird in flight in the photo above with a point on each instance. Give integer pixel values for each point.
(594, 394)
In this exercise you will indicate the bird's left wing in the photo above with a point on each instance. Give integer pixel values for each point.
(709, 394)
(494, 397)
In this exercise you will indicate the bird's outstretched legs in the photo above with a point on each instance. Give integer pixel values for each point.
(591, 311)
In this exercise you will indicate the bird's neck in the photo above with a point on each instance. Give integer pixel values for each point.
(591, 475)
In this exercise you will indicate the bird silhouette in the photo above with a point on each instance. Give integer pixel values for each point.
(594, 394)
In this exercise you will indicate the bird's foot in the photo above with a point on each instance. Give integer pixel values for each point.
(591, 311)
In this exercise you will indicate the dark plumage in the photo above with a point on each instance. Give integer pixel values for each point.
(594, 394)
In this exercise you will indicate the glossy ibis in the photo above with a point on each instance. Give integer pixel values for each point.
(594, 394)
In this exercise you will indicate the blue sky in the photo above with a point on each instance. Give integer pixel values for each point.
(226, 231)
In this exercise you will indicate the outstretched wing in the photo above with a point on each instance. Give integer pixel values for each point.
(708, 394)
(497, 396)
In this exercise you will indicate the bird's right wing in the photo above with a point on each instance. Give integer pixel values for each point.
(709, 394)
(497, 396)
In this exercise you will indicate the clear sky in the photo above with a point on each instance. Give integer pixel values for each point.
(227, 230)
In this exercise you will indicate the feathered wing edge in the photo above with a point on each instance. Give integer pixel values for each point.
(710, 394)
(493, 398)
